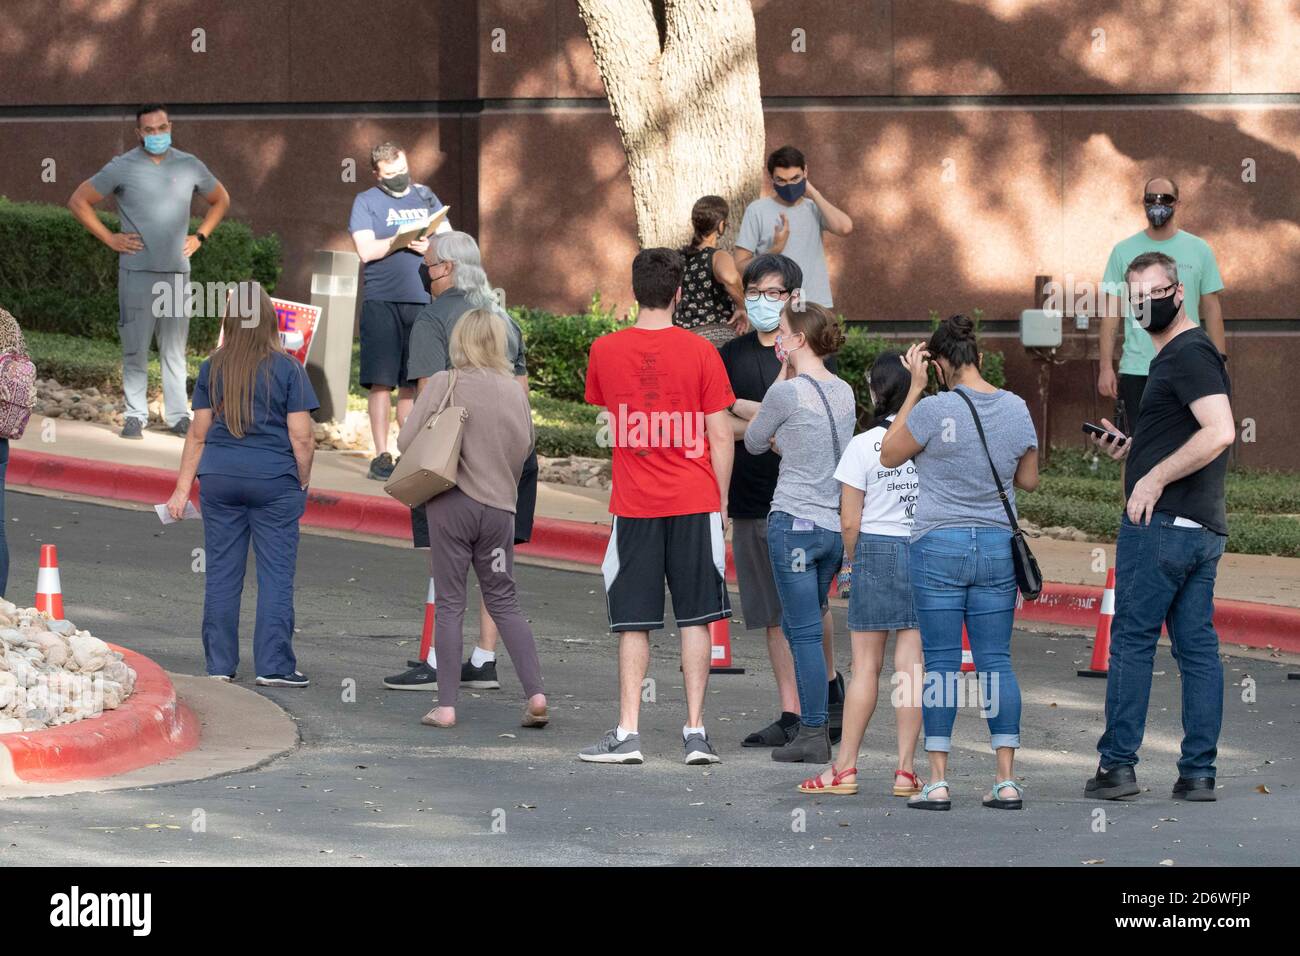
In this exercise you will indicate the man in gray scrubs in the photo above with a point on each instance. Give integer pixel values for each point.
(153, 185)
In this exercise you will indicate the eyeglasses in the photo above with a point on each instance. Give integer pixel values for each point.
(772, 295)
(1153, 294)
(1159, 199)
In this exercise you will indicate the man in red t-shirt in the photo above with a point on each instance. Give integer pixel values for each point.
(665, 393)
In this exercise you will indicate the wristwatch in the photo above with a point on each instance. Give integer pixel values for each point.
(200, 237)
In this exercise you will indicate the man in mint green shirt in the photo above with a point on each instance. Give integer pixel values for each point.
(1197, 271)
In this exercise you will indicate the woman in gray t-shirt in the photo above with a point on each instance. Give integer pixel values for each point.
(963, 577)
(808, 414)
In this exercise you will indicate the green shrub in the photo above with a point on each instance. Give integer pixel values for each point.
(56, 277)
(565, 428)
(558, 346)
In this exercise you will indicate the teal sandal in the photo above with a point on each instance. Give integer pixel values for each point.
(925, 803)
(997, 803)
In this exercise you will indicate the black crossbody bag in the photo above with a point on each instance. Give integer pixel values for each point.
(1028, 578)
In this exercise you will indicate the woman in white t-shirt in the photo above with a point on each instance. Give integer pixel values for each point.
(876, 505)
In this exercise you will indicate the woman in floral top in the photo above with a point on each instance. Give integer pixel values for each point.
(712, 302)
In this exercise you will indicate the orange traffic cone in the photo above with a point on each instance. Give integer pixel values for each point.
(426, 636)
(967, 658)
(1101, 644)
(49, 593)
(720, 636)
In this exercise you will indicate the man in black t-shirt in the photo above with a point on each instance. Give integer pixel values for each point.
(769, 282)
(1171, 538)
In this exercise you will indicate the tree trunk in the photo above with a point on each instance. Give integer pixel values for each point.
(689, 110)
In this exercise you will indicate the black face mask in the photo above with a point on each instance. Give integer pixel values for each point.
(1160, 314)
(396, 184)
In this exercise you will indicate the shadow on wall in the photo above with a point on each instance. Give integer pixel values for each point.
(959, 205)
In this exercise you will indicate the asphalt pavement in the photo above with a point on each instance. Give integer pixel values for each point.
(370, 785)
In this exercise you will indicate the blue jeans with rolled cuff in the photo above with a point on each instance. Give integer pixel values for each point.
(804, 563)
(1164, 575)
(235, 511)
(966, 575)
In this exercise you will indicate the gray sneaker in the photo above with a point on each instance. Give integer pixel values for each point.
(700, 751)
(611, 750)
(133, 428)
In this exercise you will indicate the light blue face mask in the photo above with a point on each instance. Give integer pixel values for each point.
(155, 144)
(764, 315)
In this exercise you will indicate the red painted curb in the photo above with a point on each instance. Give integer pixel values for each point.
(1238, 622)
(151, 726)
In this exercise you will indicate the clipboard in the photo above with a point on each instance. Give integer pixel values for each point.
(422, 230)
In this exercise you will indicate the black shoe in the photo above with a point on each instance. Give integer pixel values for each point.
(1195, 789)
(480, 678)
(296, 679)
(810, 745)
(181, 428)
(419, 677)
(1113, 784)
(775, 734)
(381, 468)
(133, 428)
(835, 707)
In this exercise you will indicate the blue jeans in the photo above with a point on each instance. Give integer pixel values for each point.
(965, 575)
(1164, 575)
(267, 511)
(804, 563)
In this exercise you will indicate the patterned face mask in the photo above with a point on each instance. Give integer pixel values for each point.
(1158, 214)
(782, 353)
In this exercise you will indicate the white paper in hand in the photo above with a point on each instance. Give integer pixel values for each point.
(165, 518)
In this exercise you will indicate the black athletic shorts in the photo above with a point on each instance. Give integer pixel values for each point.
(525, 505)
(688, 551)
(385, 341)
(1131, 388)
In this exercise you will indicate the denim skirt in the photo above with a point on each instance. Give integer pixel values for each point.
(880, 596)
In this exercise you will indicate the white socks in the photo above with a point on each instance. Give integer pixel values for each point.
(622, 734)
(687, 731)
(478, 658)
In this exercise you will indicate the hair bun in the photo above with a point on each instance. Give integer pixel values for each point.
(961, 326)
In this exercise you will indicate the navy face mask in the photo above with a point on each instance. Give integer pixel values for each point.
(791, 191)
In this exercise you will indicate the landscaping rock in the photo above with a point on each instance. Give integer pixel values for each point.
(53, 673)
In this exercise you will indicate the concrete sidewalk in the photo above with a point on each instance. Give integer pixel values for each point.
(1242, 577)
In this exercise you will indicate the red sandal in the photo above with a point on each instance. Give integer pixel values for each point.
(815, 785)
(911, 791)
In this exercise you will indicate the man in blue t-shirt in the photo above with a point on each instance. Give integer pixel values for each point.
(393, 294)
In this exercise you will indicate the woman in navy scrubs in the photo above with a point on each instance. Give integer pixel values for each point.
(251, 444)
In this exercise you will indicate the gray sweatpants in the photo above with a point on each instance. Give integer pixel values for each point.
(144, 311)
(463, 532)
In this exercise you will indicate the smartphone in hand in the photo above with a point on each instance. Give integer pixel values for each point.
(1090, 429)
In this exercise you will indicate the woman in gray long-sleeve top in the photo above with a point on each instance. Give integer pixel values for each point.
(808, 416)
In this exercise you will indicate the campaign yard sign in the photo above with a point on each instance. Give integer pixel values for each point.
(297, 322)
(297, 326)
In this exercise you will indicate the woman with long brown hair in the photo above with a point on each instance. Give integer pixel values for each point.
(251, 444)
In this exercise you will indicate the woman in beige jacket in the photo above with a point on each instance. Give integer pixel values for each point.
(473, 523)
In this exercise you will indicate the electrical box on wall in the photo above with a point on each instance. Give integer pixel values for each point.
(1040, 328)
